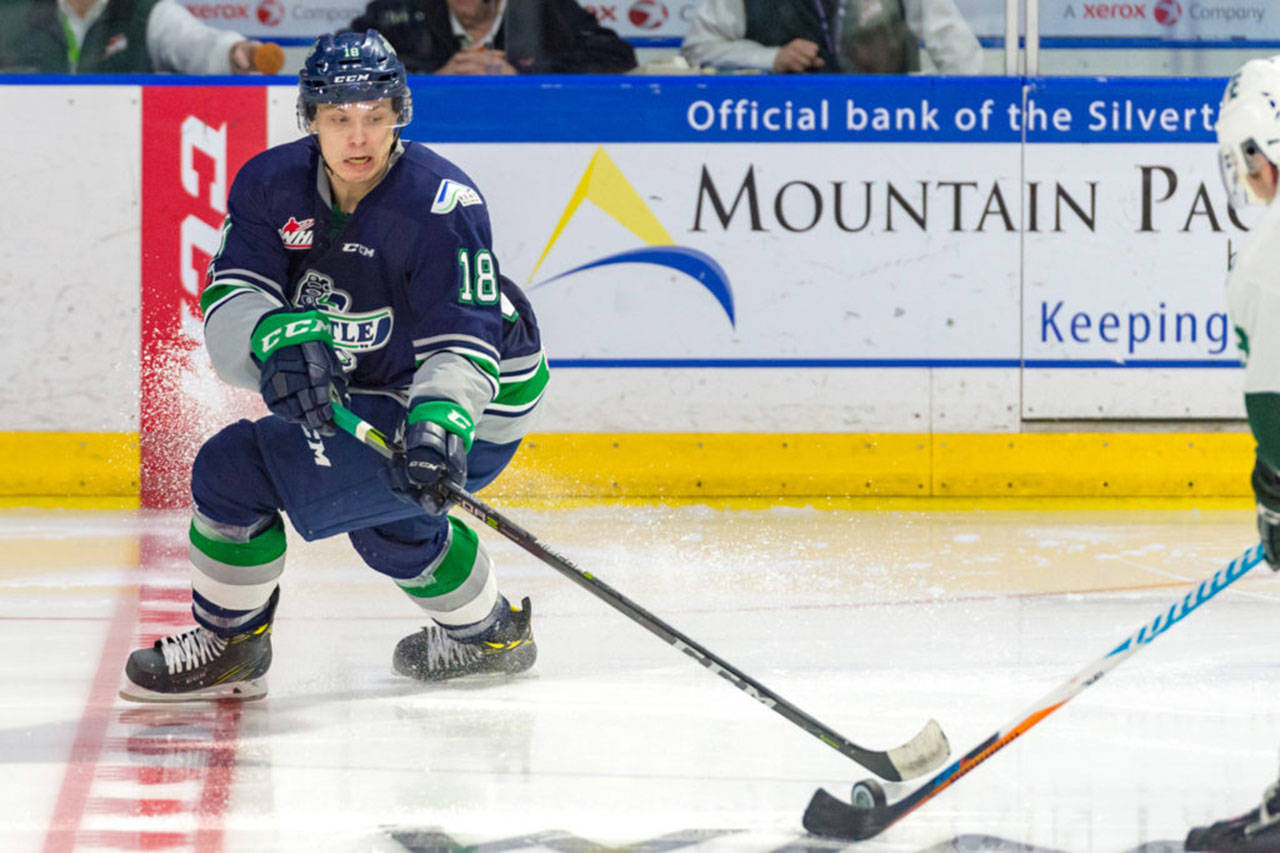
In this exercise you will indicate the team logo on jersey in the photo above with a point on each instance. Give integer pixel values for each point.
(353, 332)
(451, 194)
(297, 235)
(604, 184)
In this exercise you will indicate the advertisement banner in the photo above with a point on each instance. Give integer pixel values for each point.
(762, 256)
(845, 247)
(865, 250)
(662, 23)
(195, 139)
(1174, 20)
(643, 21)
(658, 22)
(289, 21)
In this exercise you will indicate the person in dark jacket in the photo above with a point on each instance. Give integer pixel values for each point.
(497, 37)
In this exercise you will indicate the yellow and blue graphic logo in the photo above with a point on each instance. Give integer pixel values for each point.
(604, 185)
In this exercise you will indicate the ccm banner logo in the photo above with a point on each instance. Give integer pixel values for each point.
(195, 139)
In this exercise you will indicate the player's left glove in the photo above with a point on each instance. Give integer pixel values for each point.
(1266, 488)
(433, 456)
(294, 350)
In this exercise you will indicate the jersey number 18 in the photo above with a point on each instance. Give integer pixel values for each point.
(479, 279)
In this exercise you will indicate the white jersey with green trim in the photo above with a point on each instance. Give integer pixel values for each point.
(1253, 304)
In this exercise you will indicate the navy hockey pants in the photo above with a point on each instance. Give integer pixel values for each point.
(251, 469)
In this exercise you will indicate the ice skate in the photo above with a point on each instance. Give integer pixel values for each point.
(433, 655)
(1255, 831)
(199, 664)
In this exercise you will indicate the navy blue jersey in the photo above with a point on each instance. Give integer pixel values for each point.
(409, 282)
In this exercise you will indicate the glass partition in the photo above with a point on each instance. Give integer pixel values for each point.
(1184, 38)
(1153, 38)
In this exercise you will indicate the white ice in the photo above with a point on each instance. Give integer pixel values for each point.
(872, 622)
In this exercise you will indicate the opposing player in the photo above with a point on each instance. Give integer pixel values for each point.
(1249, 151)
(355, 264)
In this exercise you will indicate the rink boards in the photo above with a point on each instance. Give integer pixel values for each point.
(863, 286)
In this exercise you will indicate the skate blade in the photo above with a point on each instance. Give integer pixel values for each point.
(244, 691)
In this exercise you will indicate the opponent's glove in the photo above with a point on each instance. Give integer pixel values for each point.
(432, 457)
(294, 350)
(1266, 488)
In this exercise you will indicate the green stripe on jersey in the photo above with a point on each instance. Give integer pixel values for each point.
(525, 391)
(487, 365)
(217, 292)
(267, 546)
(456, 566)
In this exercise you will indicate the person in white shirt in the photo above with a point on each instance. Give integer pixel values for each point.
(116, 36)
(832, 36)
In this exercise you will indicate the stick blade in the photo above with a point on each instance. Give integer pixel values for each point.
(923, 753)
(833, 818)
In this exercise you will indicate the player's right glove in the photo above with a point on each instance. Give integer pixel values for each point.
(1266, 488)
(433, 457)
(294, 350)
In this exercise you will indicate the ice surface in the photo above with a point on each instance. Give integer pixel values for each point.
(872, 622)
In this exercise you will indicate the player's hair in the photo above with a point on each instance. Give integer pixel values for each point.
(351, 67)
(1249, 125)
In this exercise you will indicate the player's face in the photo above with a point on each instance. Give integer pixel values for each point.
(1261, 174)
(356, 139)
(1263, 183)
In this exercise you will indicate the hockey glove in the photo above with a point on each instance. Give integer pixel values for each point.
(432, 458)
(294, 350)
(1266, 488)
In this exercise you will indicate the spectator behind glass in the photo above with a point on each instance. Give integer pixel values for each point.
(115, 36)
(833, 36)
(497, 37)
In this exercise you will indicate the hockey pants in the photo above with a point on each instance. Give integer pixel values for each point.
(251, 470)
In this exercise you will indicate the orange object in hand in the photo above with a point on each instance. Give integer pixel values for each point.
(268, 58)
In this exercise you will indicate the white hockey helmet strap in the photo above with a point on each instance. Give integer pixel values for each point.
(1249, 126)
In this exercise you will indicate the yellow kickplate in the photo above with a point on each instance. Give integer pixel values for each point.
(39, 467)
(1062, 465)
(68, 463)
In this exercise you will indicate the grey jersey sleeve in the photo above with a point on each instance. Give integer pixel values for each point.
(226, 336)
(447, 375)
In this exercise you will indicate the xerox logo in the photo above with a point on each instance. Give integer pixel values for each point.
(219, 11)
(1168, 12)
(643, 14)
(647, 14)
(270, 13)
(1112, 11)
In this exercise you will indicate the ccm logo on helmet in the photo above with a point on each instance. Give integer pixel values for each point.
(350, 78)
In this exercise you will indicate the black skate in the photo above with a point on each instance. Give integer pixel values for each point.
(1259, 830)
(199, 664)
(432, 655)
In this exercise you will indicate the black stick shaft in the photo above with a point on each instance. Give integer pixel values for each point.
(877, 762)
(923, 752)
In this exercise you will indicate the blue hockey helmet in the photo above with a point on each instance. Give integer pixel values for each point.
(349, 68)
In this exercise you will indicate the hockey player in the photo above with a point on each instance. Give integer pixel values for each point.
(1249, 151)
(356, 264)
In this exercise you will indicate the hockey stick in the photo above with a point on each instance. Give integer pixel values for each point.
(870, 814)
(924, 752)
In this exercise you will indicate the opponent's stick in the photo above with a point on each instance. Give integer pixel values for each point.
(870, 814)
(924, 752)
